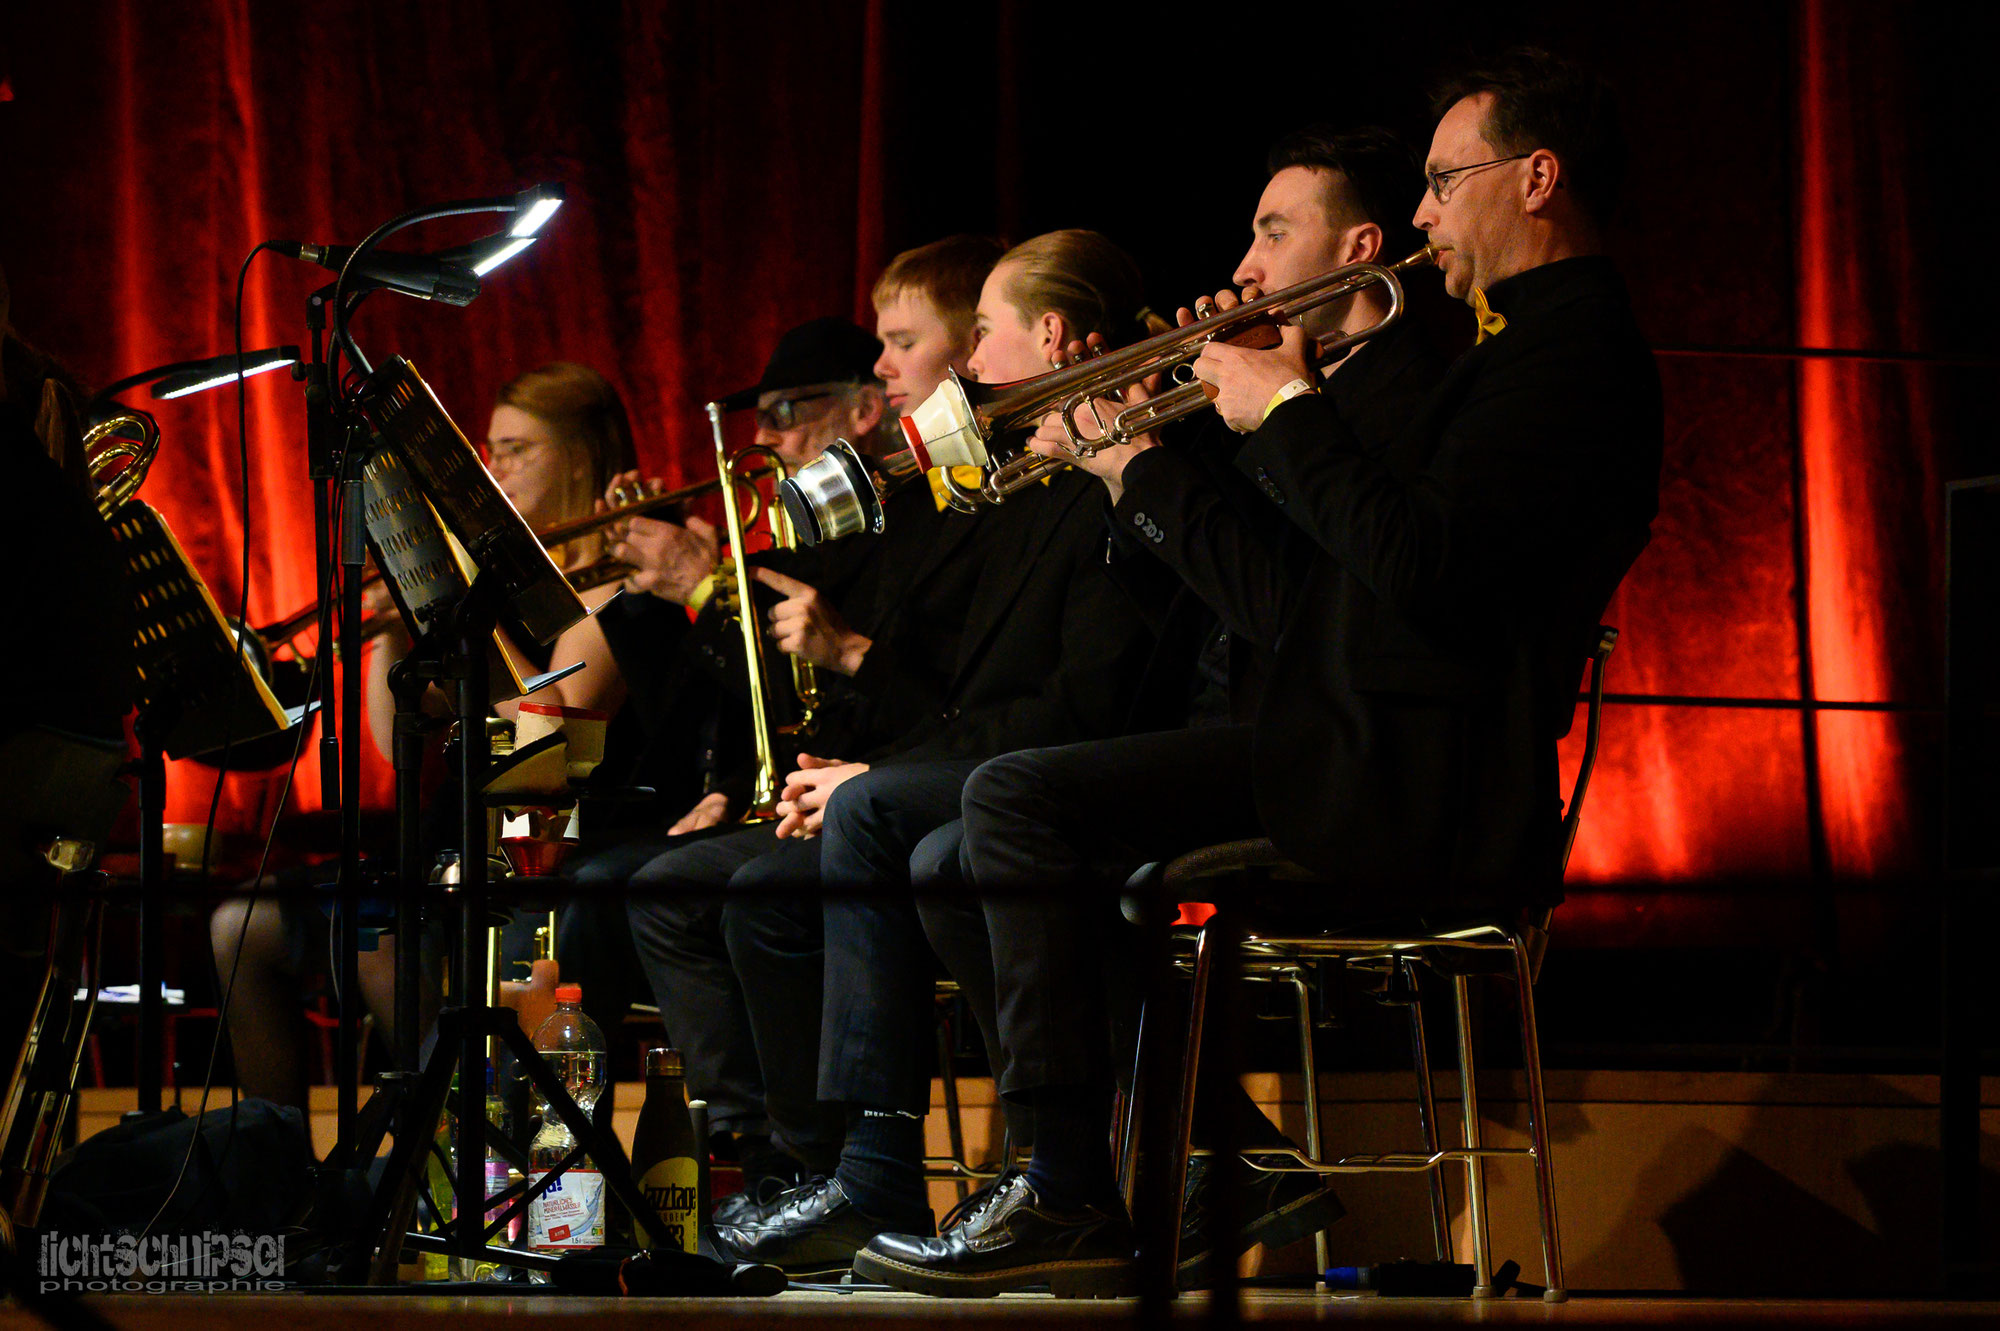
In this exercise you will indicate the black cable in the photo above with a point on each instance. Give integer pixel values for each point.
(242, 631)
(242, 626)
(229, 988)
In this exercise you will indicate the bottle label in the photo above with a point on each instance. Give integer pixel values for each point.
(497, 1177)
(570, 1214)
(673, 1204)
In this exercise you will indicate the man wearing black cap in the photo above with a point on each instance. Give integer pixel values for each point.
(818, 386)
(687, 680)
(971, 635)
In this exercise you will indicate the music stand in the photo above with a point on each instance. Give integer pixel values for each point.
(197, 693)
(426, 476)
(428, 574)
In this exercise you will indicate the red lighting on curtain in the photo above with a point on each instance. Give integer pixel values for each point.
(1863, 442)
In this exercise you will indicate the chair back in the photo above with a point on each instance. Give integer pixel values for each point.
(1600, 656)
(1535, 932)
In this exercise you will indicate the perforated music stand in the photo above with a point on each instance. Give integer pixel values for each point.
(425, 477)
(198, 692)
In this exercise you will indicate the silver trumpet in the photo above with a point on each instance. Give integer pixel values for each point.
(987, 425)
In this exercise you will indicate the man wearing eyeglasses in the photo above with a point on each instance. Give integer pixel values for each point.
(1405, 744)
(818, 386)
(971, 633)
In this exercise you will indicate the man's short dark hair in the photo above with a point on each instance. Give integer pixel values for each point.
(1384, 178)
(1544, 101)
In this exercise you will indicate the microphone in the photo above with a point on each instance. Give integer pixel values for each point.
(412, 274)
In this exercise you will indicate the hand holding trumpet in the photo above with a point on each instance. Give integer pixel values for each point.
(668, 559)
(1108, 464)
(1246, 379)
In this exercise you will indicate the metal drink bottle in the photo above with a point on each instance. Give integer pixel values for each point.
(667, 1158)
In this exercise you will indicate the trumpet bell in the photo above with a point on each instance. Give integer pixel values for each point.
(832, 496)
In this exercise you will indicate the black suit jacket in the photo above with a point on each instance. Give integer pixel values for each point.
(1223, 554)
(991, 631)
(1428, 662)
(1047, 647)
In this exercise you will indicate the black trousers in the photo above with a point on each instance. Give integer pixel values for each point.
(728, 931)
(886, 831)
(1053, 834)
(593, 935)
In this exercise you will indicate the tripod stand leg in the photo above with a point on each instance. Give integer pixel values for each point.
(407, 752)
(375, 1257)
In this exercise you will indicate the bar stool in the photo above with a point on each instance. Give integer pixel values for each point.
(1504, 945)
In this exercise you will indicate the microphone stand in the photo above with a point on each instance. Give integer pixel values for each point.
(333, 461)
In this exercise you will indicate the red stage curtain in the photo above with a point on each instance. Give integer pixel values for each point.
(723, 183)
(735, 171)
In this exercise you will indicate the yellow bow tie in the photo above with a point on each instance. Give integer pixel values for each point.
(970, 478)
(1489, 322)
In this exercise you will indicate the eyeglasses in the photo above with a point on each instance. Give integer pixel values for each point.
(1441, 181)
(784, 414)
(501, 453)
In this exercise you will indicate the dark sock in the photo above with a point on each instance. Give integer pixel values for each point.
(1215, 1105)
(881, 1165)
(1020, 1129)
(1071, 1167)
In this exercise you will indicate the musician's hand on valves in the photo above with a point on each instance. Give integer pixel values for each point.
(802, 803)
(667, 559)
(710, 810)
(1247, 380)
(1108, 464)
(627, 487)
(805, 625)
(1209, 306)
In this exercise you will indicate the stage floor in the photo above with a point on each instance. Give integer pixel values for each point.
(799, 1310)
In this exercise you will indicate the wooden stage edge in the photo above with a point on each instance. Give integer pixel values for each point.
(804, 1310)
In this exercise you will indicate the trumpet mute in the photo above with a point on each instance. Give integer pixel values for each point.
(832, 496)
(943, 432)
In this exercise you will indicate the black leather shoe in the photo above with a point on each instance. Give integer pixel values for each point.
(1279, 1207)
(738, 1207)
(1012, 1242)
(809, 1230)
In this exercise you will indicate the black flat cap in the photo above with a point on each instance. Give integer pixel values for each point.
(824, 351)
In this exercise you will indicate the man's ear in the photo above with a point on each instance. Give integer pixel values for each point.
(1055, 333)
(1545, 177)
(866, 414)
(1362, 244)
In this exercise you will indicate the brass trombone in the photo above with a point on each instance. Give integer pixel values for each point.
(805, 679)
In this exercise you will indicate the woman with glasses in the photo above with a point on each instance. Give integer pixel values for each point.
(558, 433)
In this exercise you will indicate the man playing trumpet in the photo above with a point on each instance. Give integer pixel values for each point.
(1422, 668)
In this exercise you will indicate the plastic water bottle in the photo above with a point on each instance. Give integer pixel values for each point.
(569, 1216)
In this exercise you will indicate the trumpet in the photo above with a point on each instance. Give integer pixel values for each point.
(281, 632)
(986, 425)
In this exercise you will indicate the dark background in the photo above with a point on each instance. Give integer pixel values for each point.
(1804, 174)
